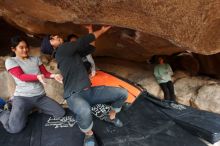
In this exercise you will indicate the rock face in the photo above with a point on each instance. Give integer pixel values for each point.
(186, 62)
(151, 28)
(187, 88)
(208, 98)
(113, 43)
(209, 64)
(7, 86)
(190, 25)
(54, 90)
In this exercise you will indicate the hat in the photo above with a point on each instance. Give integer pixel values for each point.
(46, 47)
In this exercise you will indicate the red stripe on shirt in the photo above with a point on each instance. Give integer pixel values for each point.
(44, 71)
(18, 73)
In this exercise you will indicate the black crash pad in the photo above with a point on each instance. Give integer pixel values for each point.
(144, 125)
(43, 130)
(200, 123)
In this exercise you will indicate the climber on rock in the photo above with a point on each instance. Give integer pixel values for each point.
(87, 58)
(78, 92)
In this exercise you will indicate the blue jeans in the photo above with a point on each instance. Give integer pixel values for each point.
(80, 103)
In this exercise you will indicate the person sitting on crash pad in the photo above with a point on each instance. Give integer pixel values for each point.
(163, 73)
(29, 74)
(78, 92)
(88, 61)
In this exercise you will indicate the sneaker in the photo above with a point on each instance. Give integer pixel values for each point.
(89, 140)
(116, 121)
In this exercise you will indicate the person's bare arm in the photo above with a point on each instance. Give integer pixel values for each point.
(101, 31)
(83, 42)
(90, 30)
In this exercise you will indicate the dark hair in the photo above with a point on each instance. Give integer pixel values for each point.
(15, 41)
(71, 36)
(46, 46)
(160, 57)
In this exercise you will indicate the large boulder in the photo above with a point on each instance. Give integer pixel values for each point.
(186, 88)
(54, 90)
(187, 62)
(208, 98)
(2, 64)
(208, 64)
(7, 86)
(179, 75)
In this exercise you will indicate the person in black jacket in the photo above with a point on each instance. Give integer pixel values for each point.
(78, 92)
(87, 58)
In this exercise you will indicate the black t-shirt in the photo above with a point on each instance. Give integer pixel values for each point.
(68, 56)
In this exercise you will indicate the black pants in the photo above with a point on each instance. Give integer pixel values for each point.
(168, 90)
